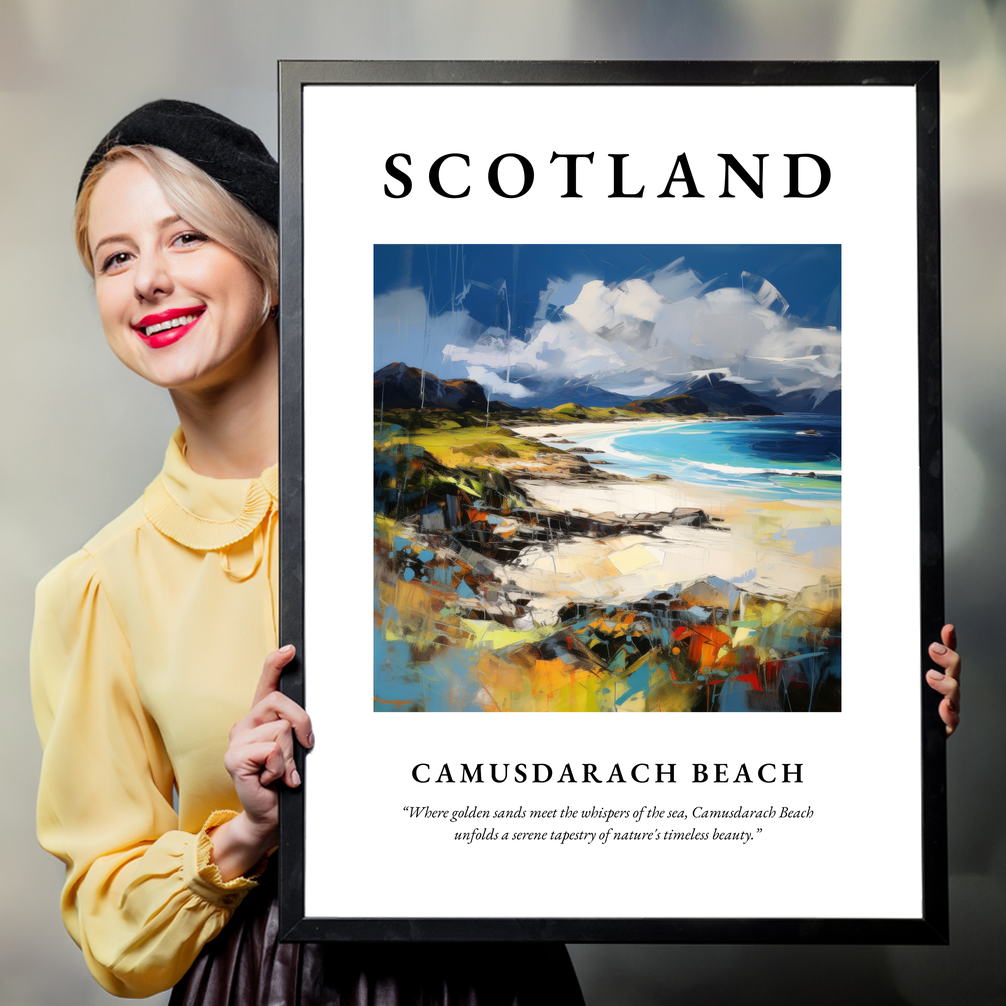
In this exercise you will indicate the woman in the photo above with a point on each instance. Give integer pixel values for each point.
(148, 643)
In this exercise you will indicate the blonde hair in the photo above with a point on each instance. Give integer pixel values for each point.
(199, 200)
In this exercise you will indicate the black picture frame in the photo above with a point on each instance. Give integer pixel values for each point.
(932, 926)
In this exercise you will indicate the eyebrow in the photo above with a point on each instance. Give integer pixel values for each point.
(160, 225)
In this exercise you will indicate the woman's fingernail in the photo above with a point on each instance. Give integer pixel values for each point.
(295, 777)
(936, 675)
(310, 739)
(938, 648)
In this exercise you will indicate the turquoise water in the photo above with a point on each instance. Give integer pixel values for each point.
(762, 458)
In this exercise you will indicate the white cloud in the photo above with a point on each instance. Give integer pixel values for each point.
(560, 292)
(634, 337)
(489, 380)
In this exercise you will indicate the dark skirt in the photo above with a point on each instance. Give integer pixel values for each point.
(246, 965)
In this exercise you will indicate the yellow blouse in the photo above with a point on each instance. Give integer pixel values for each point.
(147, 647)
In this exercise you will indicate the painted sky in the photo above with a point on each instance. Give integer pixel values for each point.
(525, 320)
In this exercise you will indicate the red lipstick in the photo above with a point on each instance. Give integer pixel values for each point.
(165, 333)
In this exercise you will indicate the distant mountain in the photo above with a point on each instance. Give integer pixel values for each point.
(398, 386)
(721, 396)
(803, 401)
(495, 406)
(545, 396)
(675, 405)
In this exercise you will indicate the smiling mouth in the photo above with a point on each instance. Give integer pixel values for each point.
(185, 319)
(167, 327)
(167, 321)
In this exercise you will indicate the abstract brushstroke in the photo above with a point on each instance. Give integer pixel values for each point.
(607, 494)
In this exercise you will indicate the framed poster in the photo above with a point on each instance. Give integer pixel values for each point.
(625, 347)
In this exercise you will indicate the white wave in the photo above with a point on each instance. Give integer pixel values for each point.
(643, 461)
(606, 442)
(731, 470)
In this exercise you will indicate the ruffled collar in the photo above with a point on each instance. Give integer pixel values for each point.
(203, 513)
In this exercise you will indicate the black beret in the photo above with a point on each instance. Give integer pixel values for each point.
(230, 154)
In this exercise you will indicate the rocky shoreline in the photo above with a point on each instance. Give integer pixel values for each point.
(582, 606)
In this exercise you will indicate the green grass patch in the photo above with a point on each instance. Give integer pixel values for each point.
(446, 440)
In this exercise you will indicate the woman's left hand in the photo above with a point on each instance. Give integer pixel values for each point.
(948, 681)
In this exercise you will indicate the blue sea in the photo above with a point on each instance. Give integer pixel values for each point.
(794, 456)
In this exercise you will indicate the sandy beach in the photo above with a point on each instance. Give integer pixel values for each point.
(564, 584)
(778, 546)
(642, 494)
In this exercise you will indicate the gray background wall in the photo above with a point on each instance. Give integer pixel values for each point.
(82, 436)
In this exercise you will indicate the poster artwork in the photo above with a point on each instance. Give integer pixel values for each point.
(607, 478)
(611, 467)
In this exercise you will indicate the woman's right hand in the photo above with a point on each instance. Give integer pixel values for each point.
(260, 753)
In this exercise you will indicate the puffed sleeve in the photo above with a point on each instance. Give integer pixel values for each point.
(141, 898)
